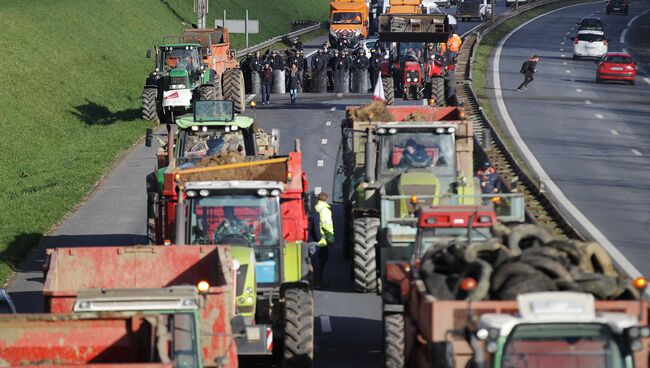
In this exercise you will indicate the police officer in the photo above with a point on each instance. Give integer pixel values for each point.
(360, 62)
(375, 68)
(277, 61)
(297, 44)
(255, 63)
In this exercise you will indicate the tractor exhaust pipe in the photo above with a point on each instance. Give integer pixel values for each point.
(370, 156)
(181, 213)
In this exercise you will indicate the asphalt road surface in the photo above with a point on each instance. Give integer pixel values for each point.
(348, 324)
(593, 140)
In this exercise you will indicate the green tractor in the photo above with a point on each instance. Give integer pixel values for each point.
(257, 208)
(388, 170)
(179, 78)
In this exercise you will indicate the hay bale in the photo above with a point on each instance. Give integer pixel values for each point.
(374, 111)
(417, 116)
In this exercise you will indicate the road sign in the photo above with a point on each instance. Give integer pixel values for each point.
(239, 25)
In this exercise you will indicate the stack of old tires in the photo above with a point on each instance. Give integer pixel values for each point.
(525, 258)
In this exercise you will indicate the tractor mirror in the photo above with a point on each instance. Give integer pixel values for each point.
(148, 137)
(148, 53)
(208, 51)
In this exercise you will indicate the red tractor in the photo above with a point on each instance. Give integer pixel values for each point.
(412, 69)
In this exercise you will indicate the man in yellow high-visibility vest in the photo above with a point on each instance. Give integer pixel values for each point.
(327, 230)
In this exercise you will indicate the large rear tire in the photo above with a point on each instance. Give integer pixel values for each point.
(438, 90)
(206, 92)
(150, 105)
(298, 337)
(389, 90)
(233, 89)
(365, 254)
(394, 341)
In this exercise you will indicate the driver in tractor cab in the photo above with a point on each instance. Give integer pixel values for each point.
(410, 55)
(172, 61)
(414, 155)
(231, 227)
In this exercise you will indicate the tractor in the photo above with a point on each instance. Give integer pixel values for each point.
(179, 78)
(412, 70)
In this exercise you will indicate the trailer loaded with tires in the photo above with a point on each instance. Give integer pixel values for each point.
(481, 293)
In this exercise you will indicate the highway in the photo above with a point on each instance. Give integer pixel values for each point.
(348, 325)
(591, 140)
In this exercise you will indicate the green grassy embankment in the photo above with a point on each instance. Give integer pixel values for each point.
(70, 98)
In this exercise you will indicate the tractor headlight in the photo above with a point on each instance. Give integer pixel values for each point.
(408, 79)
(415, 79)
(249, 300)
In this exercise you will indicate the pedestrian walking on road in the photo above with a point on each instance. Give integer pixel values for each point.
(528, 69)
(267, 82)
(327, 230)
(294, 83)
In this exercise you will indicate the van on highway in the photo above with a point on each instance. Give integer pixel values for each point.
(589, 44)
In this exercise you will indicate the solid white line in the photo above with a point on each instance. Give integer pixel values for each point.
(614, 132)
(647, 80)
(599, 116)
(636, 152)
(317, 190)
(320, 163)
(325, 324)
(552, 188)
(250, 98)
(587, 102)
(311, 53)
(623, 35)
(333, 108)
(578, 90)
(629, 24)
(328, 123)
(323, 141)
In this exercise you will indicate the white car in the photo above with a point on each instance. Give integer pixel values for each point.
(589, 43)
(368, 44)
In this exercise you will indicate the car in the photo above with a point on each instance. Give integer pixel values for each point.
(6, 304)
(616, 66)
(617, 6)
(590, 24)
(589, 44)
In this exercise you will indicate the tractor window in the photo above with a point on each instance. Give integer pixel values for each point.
(562, 345)
(237, 219)
(346, 18)
(196, 145)
(417, 149)
(411, 51)
(173, 58)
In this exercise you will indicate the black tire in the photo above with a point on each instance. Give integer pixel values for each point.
(298, 336)
(631, 82)
(233, 89)
(598, 80)
(206, 92)
(528, 235)
(389, 89)
(394, 341)
(438, 90)
(365, 254)
(501, 275)
(574, 57)
(150, 104)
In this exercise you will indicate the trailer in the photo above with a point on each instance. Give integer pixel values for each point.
(473, 9)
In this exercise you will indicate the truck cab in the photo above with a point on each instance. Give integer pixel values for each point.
(348, 22)
(561, 329)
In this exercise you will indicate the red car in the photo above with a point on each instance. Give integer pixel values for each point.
(616, 66)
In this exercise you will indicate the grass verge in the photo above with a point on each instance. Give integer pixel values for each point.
(72, 77)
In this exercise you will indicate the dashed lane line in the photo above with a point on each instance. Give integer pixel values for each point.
(564, 63)
(578, 90)
(333, 108)
(562, 55)
(320, 163)
(323, 141)
(561, 49)
(636, 152)
(328, 123)
(567, 71)
(614, 132)
(600, 116)
(587, 102)
(325, 324)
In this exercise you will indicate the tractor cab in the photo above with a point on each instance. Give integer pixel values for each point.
(182, 64)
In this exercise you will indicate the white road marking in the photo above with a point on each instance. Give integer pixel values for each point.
(636, 152)
(614, 132)
(569, 32)
(587, 102)
(339, 95)
(333, 108)
(567, 71)
(561, 43)
(623, 35)
(562, 55)
(629, 24)
(325, 324)
(561, 49)
(317, 190)
(600, 116)
(578, 90)
(250, 98)
(573, 213)
(328, 123)
(323, 141)
(564, 63)
(647, 80)
(320, 163)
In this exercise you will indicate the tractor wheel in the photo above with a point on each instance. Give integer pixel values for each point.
(150, 105)
(206, 92)
(365, 254)
(298, 337)
(438, 90)
(389, 90)
(233, 89)
(394, 341)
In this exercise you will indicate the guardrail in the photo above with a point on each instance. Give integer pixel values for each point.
(555, 210)
(262, 45)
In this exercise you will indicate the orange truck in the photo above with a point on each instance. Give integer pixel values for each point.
(423, 327)
(348, 22)
(69, 272)
(160, 330)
